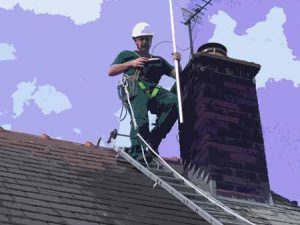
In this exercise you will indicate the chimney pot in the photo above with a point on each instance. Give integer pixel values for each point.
(45, 136)
(89, 144)
(213, 49)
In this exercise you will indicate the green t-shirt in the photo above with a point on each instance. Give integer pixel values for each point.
(152, 71)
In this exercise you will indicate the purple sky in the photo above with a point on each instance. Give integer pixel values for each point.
(74, 59)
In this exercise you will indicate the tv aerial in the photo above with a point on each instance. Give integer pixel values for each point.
(195, 16)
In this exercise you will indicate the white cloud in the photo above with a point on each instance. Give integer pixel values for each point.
(7, 52)
(265, 43)
(46, 97)
(7, 4)
(80, 11)
(22, 96)
(50, 100)
(6, 126)
(3, 113)
(58, 137)
(77, 131)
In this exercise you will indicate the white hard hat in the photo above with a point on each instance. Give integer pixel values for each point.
(141, 29)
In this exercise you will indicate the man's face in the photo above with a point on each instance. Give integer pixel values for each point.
(143, 43)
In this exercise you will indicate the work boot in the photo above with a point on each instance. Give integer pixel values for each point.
(154, 143)
(134, 152)
(148, 156)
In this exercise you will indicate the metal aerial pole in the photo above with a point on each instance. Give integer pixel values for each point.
(176, 64)
(193, 16)
(191, 38)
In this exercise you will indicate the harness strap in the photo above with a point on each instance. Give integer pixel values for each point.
(155, 91)
(147, 91)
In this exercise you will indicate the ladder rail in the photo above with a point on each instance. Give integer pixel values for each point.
(201, 212)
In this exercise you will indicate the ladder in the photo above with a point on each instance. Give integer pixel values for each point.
(201, 202)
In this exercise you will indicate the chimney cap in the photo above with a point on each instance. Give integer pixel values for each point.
(213, 48)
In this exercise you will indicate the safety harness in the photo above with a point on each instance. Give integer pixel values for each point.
(149, 93)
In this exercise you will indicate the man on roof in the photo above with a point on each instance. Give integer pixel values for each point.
(143, 72)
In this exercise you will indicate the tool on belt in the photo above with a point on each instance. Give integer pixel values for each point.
(133, 82)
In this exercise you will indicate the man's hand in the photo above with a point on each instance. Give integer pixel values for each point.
(139, 62)
(176, 56)
(120, 68)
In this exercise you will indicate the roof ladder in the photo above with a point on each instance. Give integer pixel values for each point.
(201, 202)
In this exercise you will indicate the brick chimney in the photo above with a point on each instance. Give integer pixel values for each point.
(221, 140)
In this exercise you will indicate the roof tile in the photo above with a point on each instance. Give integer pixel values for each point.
(43, 217)
(6, 197)
(3, 218)
(26, 221)
(78, 222)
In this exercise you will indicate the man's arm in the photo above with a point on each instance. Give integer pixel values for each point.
(117, 69)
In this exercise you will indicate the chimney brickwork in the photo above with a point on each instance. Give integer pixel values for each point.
(221, 138)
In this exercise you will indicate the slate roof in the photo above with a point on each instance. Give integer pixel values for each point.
(282, 212)
(49, 182)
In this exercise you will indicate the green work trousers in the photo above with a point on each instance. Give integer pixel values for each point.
(164, 105)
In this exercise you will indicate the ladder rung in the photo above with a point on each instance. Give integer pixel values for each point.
(195, 196)
(171, 179)
(219, 213)
(230, 220)
(182, 188)
(208, 206)
(161, 172)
